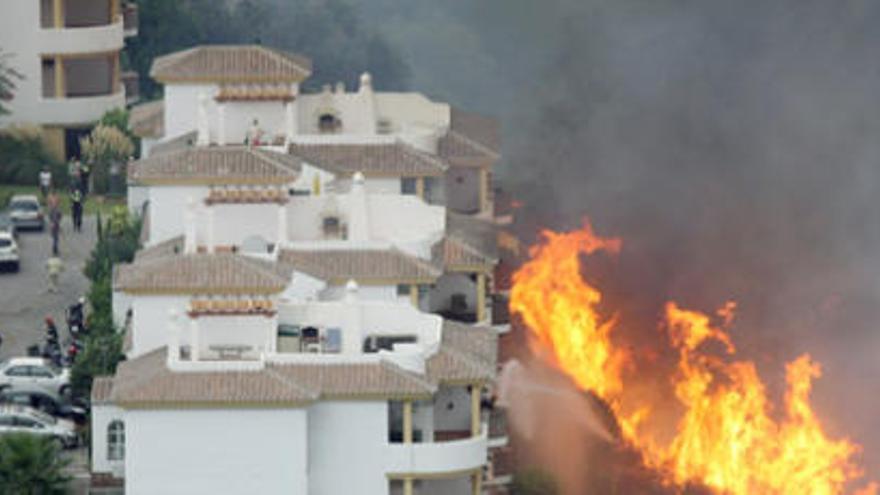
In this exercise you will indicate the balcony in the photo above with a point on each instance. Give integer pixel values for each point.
(130, 18)
(77, 111)
(437, 458)
(74, 40)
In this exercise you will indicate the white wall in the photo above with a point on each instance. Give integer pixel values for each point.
(239, 117)
(235, 451)
(137, 196)
(102, 415)
(452, 409)
(181, 107)
(259, 332)
(168, 205)
(151, 320)
(358, 112)
(449, 284)
(122, 302)
(386, 293)
(233, 223)
(22, 36)
(346, 448)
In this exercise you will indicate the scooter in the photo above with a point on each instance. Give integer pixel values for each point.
(75, 316)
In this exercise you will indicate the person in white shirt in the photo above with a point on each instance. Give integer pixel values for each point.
(45, 181)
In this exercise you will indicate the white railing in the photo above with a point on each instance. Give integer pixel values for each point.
(435, 458)
(93, 39)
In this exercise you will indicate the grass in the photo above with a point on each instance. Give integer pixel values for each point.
(94, 203)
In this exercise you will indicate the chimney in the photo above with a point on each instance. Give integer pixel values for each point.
(189, 227)
(340, 88)
(202, 138)
(365, 92)
(358, 210)
(173, 339)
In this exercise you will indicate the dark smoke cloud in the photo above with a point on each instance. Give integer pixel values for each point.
(733, 144)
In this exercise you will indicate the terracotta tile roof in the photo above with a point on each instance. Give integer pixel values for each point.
(454, 252)
(467, 354)
(165, 248)
(181, 142)
(468, 241)
(473, 140)
(102, 386)
(231, 63)
(147, 380)
(147, 120)
(216, 166)
(219, 273)
(360, 264)
(398, 159)
(340, 381)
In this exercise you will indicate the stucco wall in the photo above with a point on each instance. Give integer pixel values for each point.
(150, 324)
(449, 284)
(168, 205)
(258, 332)
(452, 409)
(102, 415)
(181, 107)
(346, 448)
(233, 223)
(258, 451)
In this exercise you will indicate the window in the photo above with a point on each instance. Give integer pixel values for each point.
(408, 185)
(40, 372)
(329, 123)
(375, 343)
(333, 340)
(116, 441)
(17, 371)
(332, 227)
(403, 289)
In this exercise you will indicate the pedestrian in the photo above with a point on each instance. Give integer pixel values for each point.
(54, 267)
(53, 202)
(55, 231)
(84, 172)
(45, 181)
(76, 209)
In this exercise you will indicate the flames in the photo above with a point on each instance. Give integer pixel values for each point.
(725, 434)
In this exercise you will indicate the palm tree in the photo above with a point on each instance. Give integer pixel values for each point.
(32, 465)
(8, 75)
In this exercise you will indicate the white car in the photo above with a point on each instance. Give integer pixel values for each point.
(33, 373)
(20, 419)
(9, 251)
(26, 212)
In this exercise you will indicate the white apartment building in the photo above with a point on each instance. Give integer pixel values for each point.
(68, 53)
(368, 397)
(401, 142)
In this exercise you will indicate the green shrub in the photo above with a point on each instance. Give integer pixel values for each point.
(23, 155)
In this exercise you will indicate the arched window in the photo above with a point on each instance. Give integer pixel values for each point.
(329, 123)
(116, 441)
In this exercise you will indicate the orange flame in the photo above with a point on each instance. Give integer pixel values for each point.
(725, 437)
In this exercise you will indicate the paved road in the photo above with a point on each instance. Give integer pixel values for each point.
(24, 301)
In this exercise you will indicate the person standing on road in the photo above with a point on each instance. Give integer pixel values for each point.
(54, 267)
(84, 172)
(76, 209)
(55, 230)
(45, 182)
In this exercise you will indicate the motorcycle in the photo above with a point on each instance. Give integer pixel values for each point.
(75, 316)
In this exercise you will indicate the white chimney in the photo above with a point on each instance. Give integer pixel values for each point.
(173, 339)
(221, 124)
(340, 88)
(358, 210)
(368, 110)
(202, 138)
(189, 227)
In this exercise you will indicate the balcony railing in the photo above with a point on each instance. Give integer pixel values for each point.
(436, 458)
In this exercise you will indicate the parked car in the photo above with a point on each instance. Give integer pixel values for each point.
(41, 401)
(26, 212)
(34, 373)
(7, 225)
(18, 419)
(9, 257)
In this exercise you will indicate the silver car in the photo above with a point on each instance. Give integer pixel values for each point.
(26, 212)
(33, 373)
(20, 419)
(8, 252)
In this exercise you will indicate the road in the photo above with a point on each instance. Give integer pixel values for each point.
(24, 300)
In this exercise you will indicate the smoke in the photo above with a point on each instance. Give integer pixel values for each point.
(734, 147)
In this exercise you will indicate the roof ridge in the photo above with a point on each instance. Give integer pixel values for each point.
(473, 142)
(406, 374)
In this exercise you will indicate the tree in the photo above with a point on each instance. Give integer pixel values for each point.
(32, 465)
(533, 481)
(8, 76)
(106, 149)
(330, 32)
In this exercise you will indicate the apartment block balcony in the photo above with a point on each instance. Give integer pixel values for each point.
(80, 26)
(130, 18)
(435, 459)
(77, 111)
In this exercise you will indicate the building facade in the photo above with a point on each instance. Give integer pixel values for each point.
(68, 54)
